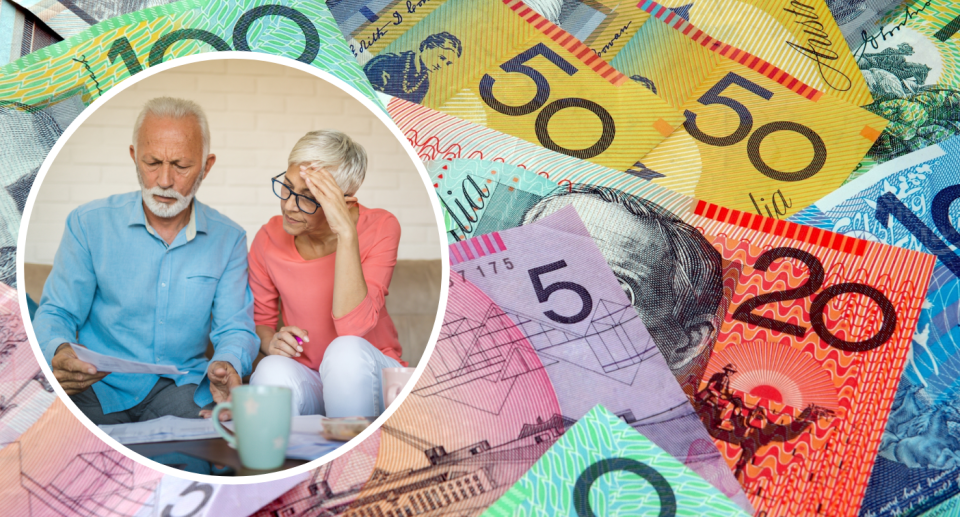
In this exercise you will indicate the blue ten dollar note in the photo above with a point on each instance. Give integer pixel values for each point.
(909, 202)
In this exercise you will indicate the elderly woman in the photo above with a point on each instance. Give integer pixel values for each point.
(324, 266)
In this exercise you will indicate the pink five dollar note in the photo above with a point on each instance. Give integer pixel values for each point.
(51, 465)
(59, 468)
(537, 331)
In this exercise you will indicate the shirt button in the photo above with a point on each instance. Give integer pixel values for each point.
(161, 322)
(163, 285)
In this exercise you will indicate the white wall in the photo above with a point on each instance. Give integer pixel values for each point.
(256, 112)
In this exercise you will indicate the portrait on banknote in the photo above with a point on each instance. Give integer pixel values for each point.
(670, 273)
(406, 75)
(234, 266)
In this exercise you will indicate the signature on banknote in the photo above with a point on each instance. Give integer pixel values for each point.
(86, 64)
(615, 37)
(873, 41)
(817, 47)
(380, 32)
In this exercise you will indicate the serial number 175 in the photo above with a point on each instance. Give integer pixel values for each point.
(491, 269)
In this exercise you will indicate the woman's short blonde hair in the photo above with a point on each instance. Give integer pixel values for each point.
(335, 152)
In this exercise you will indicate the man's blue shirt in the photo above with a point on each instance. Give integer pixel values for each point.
(130, 295)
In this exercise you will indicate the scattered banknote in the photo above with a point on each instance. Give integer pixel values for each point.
(797, 152)
(715, 169)
(788, 394)
(42, 93)
(908, 202)
(177, 496)
(857, 17)
(68, 18)
(438, 135)
(911, 61)
(536, 332)
(522, 83)
(601, 466)
(807, 359)
(58, 467)
(798, 36)
(755, 139)
(24, 391)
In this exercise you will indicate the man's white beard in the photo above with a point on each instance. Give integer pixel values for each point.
(162, 209)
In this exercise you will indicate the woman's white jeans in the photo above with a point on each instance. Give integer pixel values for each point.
(347, 384)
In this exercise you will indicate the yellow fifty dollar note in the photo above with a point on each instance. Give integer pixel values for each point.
(502, 65)
(755, 138)
(604, 26)
(799, 36)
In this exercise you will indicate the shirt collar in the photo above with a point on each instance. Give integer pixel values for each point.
(197, 222)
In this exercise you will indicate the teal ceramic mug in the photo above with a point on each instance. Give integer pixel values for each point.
(261, 422)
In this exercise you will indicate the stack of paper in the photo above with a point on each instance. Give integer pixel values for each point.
(305, 441)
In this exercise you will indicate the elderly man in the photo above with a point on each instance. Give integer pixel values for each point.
(151, 276)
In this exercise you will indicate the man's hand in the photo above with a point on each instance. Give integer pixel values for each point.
(224, 415)
(73, 374)
(223, 378)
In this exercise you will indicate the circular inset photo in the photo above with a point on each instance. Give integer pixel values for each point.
(232, 266)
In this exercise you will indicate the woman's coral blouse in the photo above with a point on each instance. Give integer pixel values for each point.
(305, 287)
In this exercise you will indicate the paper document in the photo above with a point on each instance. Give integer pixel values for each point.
(164, 429)
(305, 441)
(308, 447)
(106, 363)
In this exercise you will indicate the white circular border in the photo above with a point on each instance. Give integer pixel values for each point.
(99, 102)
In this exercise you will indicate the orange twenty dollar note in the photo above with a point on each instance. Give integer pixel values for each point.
(807, 359)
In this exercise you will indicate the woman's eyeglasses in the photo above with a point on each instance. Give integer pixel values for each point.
(305, 204)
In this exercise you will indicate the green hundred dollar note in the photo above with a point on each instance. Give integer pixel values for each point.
(43, 92)
(602, 466)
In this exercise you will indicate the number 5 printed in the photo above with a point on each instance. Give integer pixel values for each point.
(516, 65)
(543, 293)
(205, 489)
(745, 125)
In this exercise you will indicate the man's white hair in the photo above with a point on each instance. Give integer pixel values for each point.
(335, 152)
(170, 107)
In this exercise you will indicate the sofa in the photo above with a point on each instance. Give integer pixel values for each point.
(412, 301)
